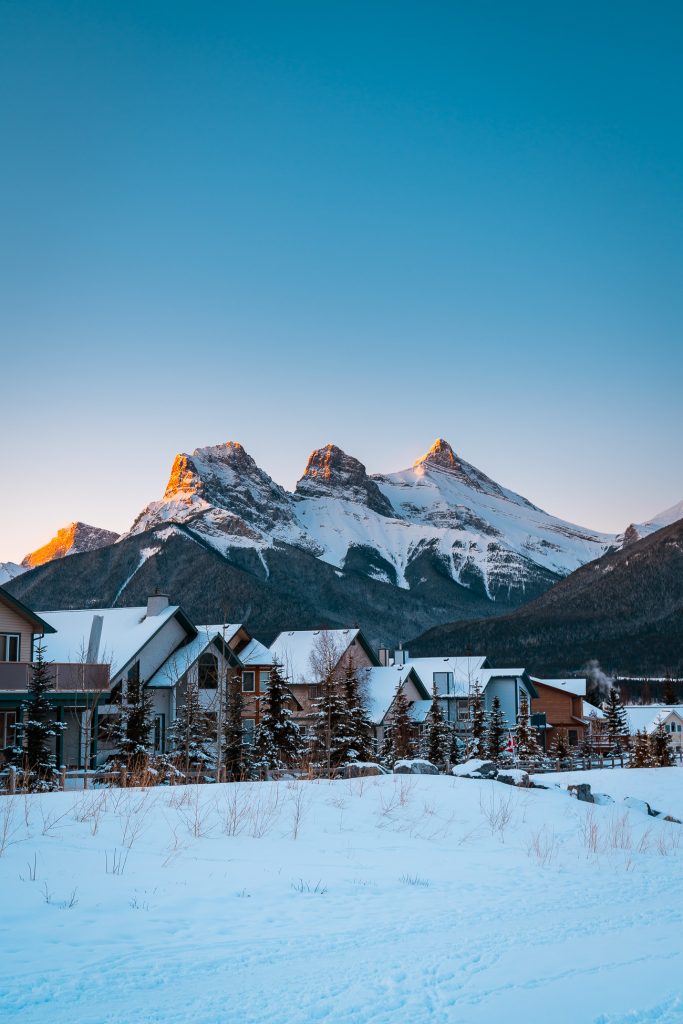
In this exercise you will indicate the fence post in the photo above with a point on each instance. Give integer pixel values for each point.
(85, 778)
(62, 779)
(12, 780)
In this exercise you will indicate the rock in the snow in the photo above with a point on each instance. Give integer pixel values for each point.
(582, 791)
(514, 777)
(476, 769)
(415, 766)
(604, 799)
(359, 769)
(638, 805)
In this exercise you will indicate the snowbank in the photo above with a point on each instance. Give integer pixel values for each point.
(392, 900)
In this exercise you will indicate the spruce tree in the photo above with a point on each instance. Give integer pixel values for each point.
(641, 751)
(438, 735)
(496, 731)
(38, 729)
(358, 727)
(133, 723)
(331, 739)
(399, 741)
(237, 754)
(616, 721)
(279, 743)
(190, 734)
(670, 696)
(477, 742)
(527, 745)
(660, 747)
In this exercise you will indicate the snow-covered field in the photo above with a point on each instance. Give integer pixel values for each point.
(399, 900)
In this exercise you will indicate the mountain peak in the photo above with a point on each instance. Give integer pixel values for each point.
(70, 540)
(331, 472)
(440, 454)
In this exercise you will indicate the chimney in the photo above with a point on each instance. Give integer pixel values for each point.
(401, 656)
(383, 656)
(94, 639)
(157, 604)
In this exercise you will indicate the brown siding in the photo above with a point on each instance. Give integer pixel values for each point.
(561, 708)
(12, 622)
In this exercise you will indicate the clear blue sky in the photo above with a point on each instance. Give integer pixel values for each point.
(367, 223)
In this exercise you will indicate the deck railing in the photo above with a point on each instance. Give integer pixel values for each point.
(66, 677)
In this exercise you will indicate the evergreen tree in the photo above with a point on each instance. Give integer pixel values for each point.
(560, 747)
(358, 725)
(132, 726)
(641, 751)
(279, 743)
(670, 696)
(399, 738)
(527, 745)
(38, 729)
(190, 734)
(496, 731)
(616, 721)
(438, 735)
(477, 741)
(331, 738)
(660, 748)
(237, 753)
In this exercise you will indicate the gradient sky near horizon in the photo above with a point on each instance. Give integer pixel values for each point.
(367, 223)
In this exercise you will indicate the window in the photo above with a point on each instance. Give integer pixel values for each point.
(464, 710)
(159, 733)
(10, 646)
(573, 737)
(134, 673)
(443, 681)
(248, 682)
(249, 727)
(207, 672)
(264, 681)
(8, 720)
(314, 692)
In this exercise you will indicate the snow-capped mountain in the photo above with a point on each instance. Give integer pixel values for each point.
(9, 571)
(636, 531)
(441, 516)
(70, 540)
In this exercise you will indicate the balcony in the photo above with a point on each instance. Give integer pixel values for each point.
(67, 677)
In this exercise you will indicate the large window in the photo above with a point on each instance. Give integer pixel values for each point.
(159, 734)
(249, 727)
(10, 646)
(263, 681)
(8, 721)
(248, 682)
(207, 671)
(443, 682)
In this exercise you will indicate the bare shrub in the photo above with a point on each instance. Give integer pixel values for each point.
(415, 880)
(299, 806)
(196, 816)
(234, 810)
(9, 827)
(619, 835)
(116, 864)
(262, 810)
(317, 888)
(668, 841)
(542, 846)
(590, 833)
(497, 811)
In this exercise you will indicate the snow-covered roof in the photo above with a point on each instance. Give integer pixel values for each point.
(466, 671)
(125, 631)
(590, 711)
(175, 666)
(293, 650)
(256, 653)
(379, 687)
(225, 630)
(646, 717)
(577, 687)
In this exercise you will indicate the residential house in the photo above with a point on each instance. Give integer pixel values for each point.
(647, 717)
(455, 679)
(132, 643)
(381, 685)
(304, 655)
(563, 703)
(76, 683)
